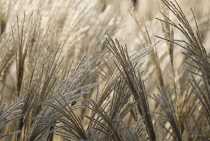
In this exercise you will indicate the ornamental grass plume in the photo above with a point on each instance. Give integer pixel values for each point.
(96, 70)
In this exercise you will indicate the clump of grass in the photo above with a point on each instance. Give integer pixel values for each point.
(76, 80)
